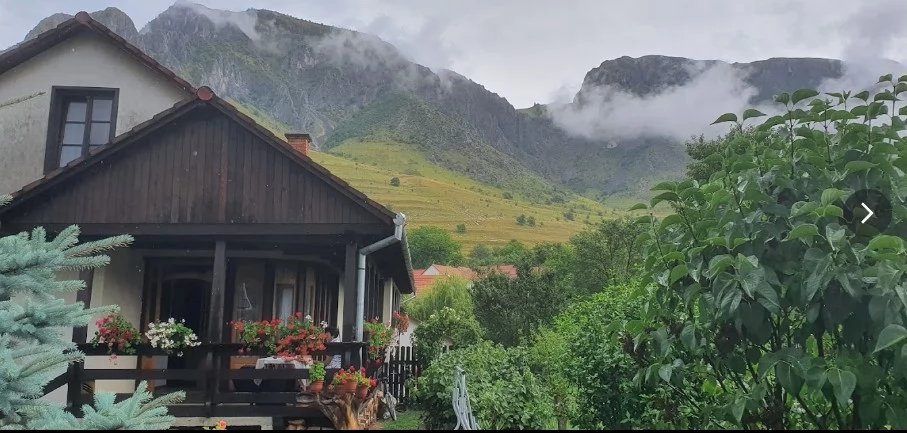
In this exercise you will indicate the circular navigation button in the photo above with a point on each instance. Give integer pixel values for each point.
(867, 212)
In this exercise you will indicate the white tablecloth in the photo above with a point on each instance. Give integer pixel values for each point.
(275, 362)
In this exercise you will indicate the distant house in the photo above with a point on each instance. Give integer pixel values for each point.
(424, 279)
(230, 222)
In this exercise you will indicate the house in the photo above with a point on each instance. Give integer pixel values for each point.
(424, 279)
(230, 221)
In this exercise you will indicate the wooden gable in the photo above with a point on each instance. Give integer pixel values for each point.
(202, 167)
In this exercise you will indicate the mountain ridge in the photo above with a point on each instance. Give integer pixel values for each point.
(341, 85)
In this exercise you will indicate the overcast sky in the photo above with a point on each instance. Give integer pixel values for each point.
(534, 51)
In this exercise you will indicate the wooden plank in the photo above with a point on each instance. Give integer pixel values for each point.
(218, 287)
(267, 298)
(80, 334)
(223, 174)
(143, 374)
(349, 291)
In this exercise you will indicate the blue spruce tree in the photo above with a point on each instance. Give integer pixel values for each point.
(32, 350)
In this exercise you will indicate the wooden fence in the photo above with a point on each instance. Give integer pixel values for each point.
(402, 367)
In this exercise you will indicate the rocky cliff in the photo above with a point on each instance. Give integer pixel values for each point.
(339, 84)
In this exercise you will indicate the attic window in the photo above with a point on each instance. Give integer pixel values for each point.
(81, 119)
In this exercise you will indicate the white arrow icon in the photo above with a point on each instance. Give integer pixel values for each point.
(867, 210)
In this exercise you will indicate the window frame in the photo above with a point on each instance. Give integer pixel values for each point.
(56, 121)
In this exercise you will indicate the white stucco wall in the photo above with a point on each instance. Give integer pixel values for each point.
(118, 283)
(84, 61)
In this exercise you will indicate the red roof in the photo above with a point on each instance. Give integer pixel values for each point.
(73, 26)
(424, 282)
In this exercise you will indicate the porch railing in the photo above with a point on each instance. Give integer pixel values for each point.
(212, 395)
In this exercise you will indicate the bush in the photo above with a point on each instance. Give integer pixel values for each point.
(395, 181)
(759, 275)
(507, 196)
(503, 392)
(569, 215)
(530, 221)
(459, 329)
(521, 220)
(461, 228)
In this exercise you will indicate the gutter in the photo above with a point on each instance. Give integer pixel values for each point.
(399, 224)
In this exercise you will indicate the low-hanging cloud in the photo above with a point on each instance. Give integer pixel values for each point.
(246, 21)
(609, 113)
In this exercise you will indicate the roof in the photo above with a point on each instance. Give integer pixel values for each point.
(203, 96)
(73, 26)
(424, 282)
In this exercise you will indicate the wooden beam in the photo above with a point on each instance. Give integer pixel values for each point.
(80, 334)
(267, 297)
(218, 289)
(224, 229)
(349, 291)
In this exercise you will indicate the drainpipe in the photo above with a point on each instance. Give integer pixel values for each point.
(399, 223)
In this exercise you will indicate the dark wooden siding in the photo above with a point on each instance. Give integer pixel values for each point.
(204, 168)
(326, 296)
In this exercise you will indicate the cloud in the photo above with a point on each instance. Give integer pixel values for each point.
(609, 113)
(873, 34)
(246, 21)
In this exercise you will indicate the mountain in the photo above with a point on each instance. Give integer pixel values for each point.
(346, 87)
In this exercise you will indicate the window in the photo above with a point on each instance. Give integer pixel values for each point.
(81, 119)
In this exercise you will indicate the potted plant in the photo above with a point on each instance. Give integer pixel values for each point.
(171, 336)
(298, 337)
(400, 322)
(259, 335)
(379, 337)
(117, 334)
(317, 373)
(345, 381)
(363, 381)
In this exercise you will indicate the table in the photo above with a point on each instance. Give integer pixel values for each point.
(275, 362)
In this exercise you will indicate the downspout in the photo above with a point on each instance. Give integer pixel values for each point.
(399, 223)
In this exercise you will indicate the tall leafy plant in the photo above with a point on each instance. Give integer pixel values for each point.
(795, 316)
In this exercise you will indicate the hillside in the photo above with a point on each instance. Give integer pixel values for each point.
(431, 195)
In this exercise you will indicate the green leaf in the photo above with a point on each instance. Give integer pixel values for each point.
(665, 196)
(787, 375)
(751, 113)
(670, 220)
(886, 242)
(834, 233)
(843, 382)
(665, 186)
(766, 363)
(768, 297)
(782, 98)
(863, 96)
(856, 166)
(831, 210)
(802, 208)
(885, 78)
(803, 231)
(831, 195)
(818, 266)
(751, 278)
(802, 94)
(688, 336)
(718, 264)
(664, 372)
(737, 408)
(891, 335)
(677, 273)
(726, 117)
(884, 96)
(638, 206)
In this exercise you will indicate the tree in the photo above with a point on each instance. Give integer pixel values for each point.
(445, 326)
(521, 220)
(792, 314)
(32, 351)
(604, 255)
(433, 245)
(511, 253)
(569, 215)
(395, 181)
(461, 228)
(447, 291)
(530, 221)
(480, 255)
(511, 310)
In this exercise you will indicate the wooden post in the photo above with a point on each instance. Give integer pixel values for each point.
(79, 335)
(267, 295)
(218, 289)
(216, 323)
(349, 291)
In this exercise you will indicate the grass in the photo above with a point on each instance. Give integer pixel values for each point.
(431, 195)
(408, 420)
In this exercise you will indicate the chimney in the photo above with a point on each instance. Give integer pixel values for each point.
(300, 142)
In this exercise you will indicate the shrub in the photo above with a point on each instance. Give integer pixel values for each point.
(461, 228)
(530, 221)
(445, 326)
(507, 196)
(395, 181)
(521, 220)
(504, 393)
(759, 276)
